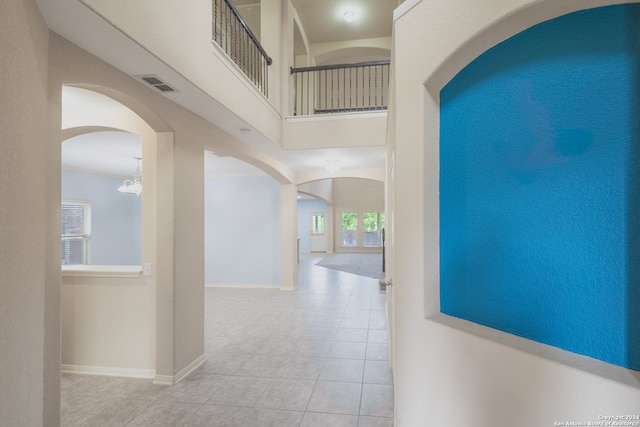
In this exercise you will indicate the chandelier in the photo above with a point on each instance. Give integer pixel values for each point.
(133, 186)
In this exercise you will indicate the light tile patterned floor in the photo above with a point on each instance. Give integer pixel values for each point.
(314, 357)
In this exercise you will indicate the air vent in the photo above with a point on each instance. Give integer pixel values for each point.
(155, 82)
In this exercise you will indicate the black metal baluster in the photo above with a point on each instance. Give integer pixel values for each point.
(308, 98)
(233, 35)
(363, 94)
(351, 89)
(344, 90)
(332, 92)
(375, 84)
(295, 98)
(383, 88)
(266, 72)
(215, 20)
(369, 84)
(327, 88)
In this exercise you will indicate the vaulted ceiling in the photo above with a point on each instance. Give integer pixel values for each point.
(323, 23)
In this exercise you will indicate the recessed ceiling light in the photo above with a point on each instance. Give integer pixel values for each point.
(349, 16)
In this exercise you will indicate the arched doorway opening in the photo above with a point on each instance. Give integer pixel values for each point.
(242, 224)
(109, 298)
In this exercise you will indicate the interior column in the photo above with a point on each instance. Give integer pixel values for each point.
(288, 236)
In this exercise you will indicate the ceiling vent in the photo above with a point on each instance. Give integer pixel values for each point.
(155, 82)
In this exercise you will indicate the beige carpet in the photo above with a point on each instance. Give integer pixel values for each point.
(362, 264)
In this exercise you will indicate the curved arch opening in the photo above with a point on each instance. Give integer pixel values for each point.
(102, 142)
(113, 101)
(94, 167)
(242, 224)
(352, 211)
(537, 189)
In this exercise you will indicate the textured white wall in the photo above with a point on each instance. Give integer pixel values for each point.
(29, 334)
(447, 371)
(353, 130)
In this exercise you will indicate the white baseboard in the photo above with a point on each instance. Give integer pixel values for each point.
(174, 379)
(249, 286)
(109, 371)
(242, 285)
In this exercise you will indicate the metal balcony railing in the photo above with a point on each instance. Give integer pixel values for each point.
(233, 35)
(341, 88)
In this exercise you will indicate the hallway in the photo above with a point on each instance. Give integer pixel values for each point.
(317, 356)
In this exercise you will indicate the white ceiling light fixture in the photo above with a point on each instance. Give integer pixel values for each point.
(133, 186)
(349, 16)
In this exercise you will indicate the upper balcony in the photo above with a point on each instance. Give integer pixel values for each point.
(320, 89)
(340, 91)
(233, 66)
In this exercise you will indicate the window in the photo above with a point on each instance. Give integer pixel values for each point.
(75, 232)
(373, 223)
(349, 229)
(317, 223)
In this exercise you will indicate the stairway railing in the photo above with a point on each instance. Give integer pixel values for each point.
(342, 88)
(233, 35)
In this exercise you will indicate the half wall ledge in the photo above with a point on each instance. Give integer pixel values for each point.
(101, 271)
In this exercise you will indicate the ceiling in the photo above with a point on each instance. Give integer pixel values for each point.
(323, 22)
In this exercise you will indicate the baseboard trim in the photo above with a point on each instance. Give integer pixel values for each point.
(163, 380)
(242, 285)
(175, 379)
(108, 371)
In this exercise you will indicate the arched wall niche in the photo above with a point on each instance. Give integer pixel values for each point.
(538, 171)
(499, 29)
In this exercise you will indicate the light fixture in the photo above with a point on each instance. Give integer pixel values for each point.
(133, 186)
(349, 16)
(332, 165)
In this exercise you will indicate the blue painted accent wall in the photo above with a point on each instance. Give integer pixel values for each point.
(539, 211)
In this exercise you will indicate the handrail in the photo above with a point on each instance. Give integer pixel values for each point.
(249, 32)
(340, 88)
(233, 35)
(339, 66)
